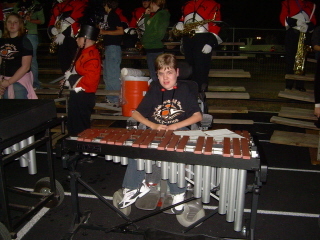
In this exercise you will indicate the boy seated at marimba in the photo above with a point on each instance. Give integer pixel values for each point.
(168, 105)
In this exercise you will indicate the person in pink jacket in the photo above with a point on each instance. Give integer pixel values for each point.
(15, 56)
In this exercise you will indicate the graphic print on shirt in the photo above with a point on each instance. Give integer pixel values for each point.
(168, 112)
(7, 51)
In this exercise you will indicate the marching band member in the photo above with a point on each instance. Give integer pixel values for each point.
(112, 38)
(155, 29)
(168, 105)
(15, 57)
(84, 81)
(123, 19)
(136, 26)
(198, 49)
(296, 16)
(32, 13)
(63, 26)
(136, 20)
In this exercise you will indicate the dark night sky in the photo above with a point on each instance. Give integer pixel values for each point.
(237, 13)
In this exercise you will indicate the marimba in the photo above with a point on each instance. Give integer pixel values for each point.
(210, 164)
(20, 121)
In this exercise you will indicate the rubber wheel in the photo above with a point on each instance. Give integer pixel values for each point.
(43, 186)
(189, 216)
(4, 233)
(117, 197)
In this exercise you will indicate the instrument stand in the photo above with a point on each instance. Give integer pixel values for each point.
(54, 193)
(81, 220)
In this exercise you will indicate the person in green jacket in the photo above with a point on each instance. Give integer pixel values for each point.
(32, 13)
(155, 30)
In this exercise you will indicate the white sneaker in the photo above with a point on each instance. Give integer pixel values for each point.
(130, 196)
(176, 199)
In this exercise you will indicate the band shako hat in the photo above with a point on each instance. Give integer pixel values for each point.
(89, 32)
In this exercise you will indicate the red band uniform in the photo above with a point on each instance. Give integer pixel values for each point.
(66, 15)
(296, 16)
(207, 34)
(85, 84)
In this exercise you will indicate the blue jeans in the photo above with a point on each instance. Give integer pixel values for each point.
(34, 64)
(151, 58)
(20, 92)
(111, 70)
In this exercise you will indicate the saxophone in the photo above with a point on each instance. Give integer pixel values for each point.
(53, 45)
(189, 28)
(301, 54)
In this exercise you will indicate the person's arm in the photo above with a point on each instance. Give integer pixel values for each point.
(196, 117)
(118, 31)
(36, 18)
(26, 64)
(137, 116)
(317, 111)
(316, 47)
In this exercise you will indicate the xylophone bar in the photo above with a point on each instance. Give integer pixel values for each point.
(232, 147)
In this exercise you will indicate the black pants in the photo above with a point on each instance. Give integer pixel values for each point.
(199, 61)
(291, 46)
(80, 108)
(66, 53)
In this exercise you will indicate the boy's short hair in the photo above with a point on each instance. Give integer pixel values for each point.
(159, 3)
(113, 4)
(166, 60)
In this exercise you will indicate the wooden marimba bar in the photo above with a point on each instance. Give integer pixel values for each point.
(209, 163)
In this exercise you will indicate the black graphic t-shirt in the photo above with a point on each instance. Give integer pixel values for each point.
(113, 21)
(169, 106)
(11, 51)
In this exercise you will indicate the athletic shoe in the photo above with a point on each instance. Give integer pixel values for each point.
(130, 196)
(176, 199)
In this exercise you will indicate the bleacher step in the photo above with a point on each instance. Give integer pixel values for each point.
(293, 122)
(214, 109)
(298, 113)
(295, 139)
(296, 95)
(307, 77)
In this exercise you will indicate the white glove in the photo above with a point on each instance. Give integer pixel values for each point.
(67, 84)
(67, 74)
(54, 31)
(180, 26)
(303, 26)
(130, 31)
(206, 49)
(59, 39)
(78, 89)
(70, 20)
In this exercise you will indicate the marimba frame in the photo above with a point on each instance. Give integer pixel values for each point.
(154, 154)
